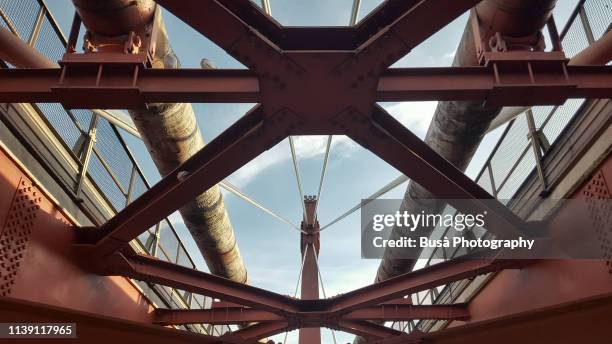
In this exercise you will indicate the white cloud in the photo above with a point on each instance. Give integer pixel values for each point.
(416, 116)
(306, 147)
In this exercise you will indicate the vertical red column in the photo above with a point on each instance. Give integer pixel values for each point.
(309, 244)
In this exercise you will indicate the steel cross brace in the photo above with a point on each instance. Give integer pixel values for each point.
(241, 315)
(295, 103)
(276, 313)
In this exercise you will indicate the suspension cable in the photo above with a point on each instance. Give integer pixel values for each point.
(297, 174)
(323, 170)
(392, 185)
(322, 287)
(234, 190)
(297, 285)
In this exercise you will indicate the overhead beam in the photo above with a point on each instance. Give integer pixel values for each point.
(244, 140)
(419, 280)
(118, 88)
(394, 143)
(173, 275)
(121, 90)
(513, 87)
(410, 312)
(215, 316)
(241, 315)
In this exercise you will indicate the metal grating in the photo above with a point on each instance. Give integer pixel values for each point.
(22, 15)
(599, 13)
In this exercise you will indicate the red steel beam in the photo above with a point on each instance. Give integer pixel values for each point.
(121, 90)
(412, 27)
(224, 28)
(97, 329)
(169, 274)
(215, 316)
(367, 329)
(243, 141)
(410, 312)
(239, 315)
(118, 87)
(515, 87)
(394, 143)
(420, 280)
(259, 331)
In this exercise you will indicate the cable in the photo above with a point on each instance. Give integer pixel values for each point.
(355, 12)
(297, 174)
(233, 189)
(323, 170)
(322, 287)
(392, 185)
(298, 282)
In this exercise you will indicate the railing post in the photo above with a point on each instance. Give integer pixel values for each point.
(153, 242)
(490, 171)
(131, 186)
(586, 25)
(37, 25)
(86, 157)
(534, 137)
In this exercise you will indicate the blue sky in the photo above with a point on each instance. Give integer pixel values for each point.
(270, 249)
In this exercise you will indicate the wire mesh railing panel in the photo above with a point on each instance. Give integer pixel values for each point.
(509, 150)
(61, 122)
(541, 113)
(101, 176)
(22, 15)
(49, 43)
(575, 39)
(560, 118)
(83, 118)
(598, 13)
(520, 173)
(139, 187)
(118, 160)
(169, 242)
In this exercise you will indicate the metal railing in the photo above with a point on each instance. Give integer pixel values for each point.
(102, 156)
(521, 150)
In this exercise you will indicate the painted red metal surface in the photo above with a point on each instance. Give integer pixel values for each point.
(293, 72)
(241, 315)
(95, 328)
(309, 246)
(277, 313)
(131, 85)
(583, 320)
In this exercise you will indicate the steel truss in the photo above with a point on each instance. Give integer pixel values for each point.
(292, 73)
